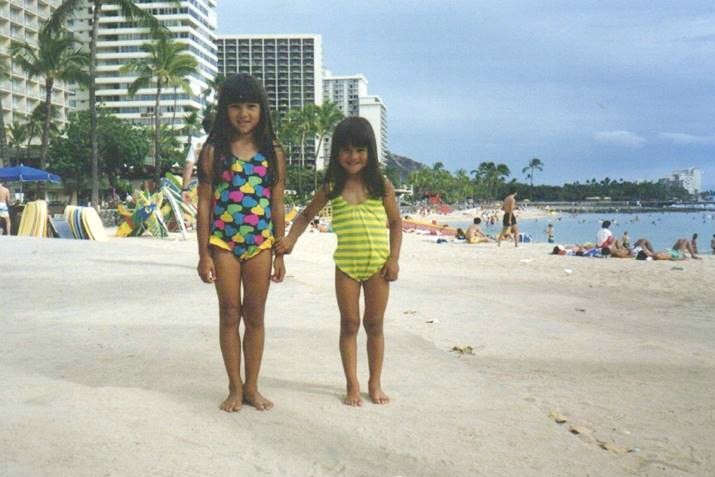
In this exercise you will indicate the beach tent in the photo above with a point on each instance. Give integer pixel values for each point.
(27, 174)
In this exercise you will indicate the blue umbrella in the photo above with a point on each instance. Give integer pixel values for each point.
(27, 174)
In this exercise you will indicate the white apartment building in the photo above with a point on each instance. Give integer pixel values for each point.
(691, 179)
(290, 67)
(345, 91)
(373, 109)
(351, 96)
(20, 20)
(193, 22)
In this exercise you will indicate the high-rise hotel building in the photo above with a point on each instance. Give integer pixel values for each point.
(350, 94)
(290, 67)
(193, 22)
(20, 20)
(373, 109)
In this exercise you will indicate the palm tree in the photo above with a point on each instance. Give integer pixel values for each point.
(55, 59)
(4, 74)
(326, 118)
(131, 12)
(192, 125)
(39, 116)
(18, 137)
(534, 165)
(285, 133)
(492, 174)
(212, 90)
(302, 121)
(166, 64)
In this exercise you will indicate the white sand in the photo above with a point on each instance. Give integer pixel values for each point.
(110, 365)
(466, 215)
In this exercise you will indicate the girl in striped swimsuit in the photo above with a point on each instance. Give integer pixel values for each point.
(364, 209)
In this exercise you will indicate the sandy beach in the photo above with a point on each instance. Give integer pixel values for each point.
(110, 365)
(466, 215)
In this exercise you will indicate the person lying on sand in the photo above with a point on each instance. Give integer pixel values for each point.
(619, 249)
(677, 251)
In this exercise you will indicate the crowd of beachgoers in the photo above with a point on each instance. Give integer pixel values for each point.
(604, 243)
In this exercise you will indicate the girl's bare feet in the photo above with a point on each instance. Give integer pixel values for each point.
(233, 401)
(352, 398)
(255, 399)
(377, 395)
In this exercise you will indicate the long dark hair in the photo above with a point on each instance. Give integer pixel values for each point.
(356, 132)
(240, 88)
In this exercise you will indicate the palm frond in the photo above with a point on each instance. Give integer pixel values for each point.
(62, 13)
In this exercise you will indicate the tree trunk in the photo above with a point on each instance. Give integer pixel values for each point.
(157, 122)
(302, 165)
(3, 140)
(93, 104)
(315, 166)
(30, 137)
(49, 84)
(173, 117)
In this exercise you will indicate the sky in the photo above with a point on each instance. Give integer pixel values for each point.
(592, 88)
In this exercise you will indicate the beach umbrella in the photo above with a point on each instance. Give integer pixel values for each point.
(27, 174)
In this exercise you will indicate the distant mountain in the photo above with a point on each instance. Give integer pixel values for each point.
(404, 165)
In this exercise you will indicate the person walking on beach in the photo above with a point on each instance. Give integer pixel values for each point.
(240, 214)
(5, 209)
(363, 201)
(509, 219)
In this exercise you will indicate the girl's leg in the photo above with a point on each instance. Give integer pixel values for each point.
(377, 291)
(347, 292)
(228, 289)
(256, 274)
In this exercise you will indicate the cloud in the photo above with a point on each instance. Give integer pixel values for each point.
(619, 138)
(682, 138)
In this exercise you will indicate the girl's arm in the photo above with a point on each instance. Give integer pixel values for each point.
(394, 222)
(303, 219)
(206, 268)
(278, 213)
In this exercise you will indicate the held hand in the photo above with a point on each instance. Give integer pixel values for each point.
(207, 270)
(390, 270)
(284, 245)
(279, 269)
(186, 197)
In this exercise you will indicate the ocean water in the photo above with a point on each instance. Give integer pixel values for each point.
(662, 228)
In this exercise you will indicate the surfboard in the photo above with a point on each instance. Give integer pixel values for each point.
(93, 222)
(77, 219)
(61, 227)
(26, 220)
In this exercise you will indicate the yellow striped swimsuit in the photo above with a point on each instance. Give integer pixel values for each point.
(363, 245)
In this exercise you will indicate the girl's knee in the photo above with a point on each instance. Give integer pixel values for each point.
(253, 314)
(230, 314)
(373, 326)
(253, 321)
(349, 326)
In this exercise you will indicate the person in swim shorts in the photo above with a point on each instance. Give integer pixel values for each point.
(5, 209)
(509, 219)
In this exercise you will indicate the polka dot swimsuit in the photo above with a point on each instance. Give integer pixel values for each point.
(242, 208)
